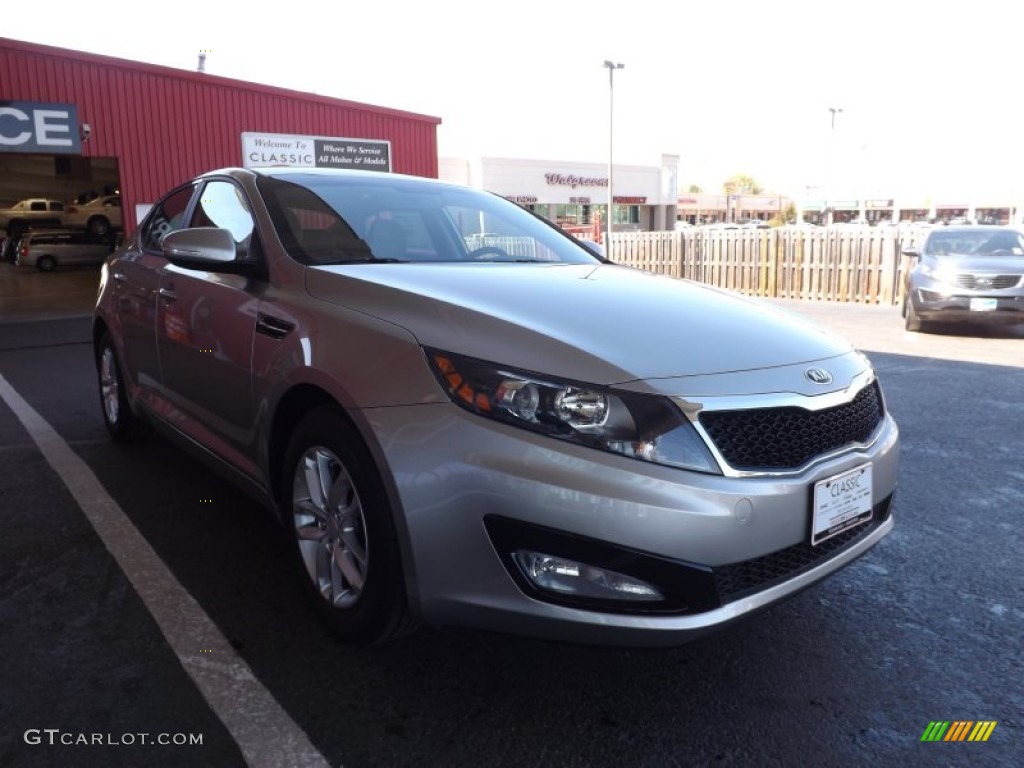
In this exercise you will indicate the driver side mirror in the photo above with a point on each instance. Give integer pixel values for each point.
(209, 249)
(913, 252)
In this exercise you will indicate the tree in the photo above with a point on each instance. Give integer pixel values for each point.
(741, 184)
(786, 216)
(695, 189)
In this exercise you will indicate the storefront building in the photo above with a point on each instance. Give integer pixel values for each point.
(574, 195)
(700, 208)
(75, 125)
(709, 209)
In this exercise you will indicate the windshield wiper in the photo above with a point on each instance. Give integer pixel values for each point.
(337, 262)
(513, 261)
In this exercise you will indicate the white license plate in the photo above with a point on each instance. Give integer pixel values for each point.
(984, 305)
(841, 502)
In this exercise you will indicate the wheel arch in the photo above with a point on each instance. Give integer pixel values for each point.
(99, 327)
(292, 406)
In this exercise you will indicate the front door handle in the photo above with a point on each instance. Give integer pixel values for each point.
(274, 327)
(168, 294)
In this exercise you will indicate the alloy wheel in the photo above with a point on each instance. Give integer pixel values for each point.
(330, 527)
(110, 387)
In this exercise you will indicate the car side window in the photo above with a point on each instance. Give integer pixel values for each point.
(223, 205)
(167, 216)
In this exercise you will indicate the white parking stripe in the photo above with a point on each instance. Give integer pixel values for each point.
(263, 731)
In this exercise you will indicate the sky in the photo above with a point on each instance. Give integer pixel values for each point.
(928, 90)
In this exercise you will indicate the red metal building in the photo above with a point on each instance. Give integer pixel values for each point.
(165, 125)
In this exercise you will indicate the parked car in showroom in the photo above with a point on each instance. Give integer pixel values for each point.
(32, 212)
(99, 216)
(965, 274)
(48, 249)
(463, 416)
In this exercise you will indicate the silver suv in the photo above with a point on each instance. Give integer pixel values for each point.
(461, 415)
(965, 274)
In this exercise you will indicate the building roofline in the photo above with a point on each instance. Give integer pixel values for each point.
(159, 70)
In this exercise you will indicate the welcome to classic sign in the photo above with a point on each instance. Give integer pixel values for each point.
(265, 150)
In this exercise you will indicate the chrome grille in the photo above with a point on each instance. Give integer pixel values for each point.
(789, 437)
(986, 282)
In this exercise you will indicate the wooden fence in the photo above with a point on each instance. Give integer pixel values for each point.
(856, 264)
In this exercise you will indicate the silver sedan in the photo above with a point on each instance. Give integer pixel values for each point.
(463, 416)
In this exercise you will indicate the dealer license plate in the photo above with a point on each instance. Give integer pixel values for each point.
(984, 305)
(841, 502)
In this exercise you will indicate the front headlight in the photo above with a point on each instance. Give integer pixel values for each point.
(646, 427)
(941, 274)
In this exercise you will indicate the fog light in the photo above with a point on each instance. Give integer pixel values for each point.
(567, 577)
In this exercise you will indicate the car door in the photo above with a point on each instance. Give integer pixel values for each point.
(136, 279)
(205, 326)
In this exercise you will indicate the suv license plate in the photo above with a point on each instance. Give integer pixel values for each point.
(840, 503)
(984, 305)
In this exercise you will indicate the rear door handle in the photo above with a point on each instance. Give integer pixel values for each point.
(168, 294)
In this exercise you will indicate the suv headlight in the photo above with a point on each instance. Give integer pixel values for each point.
(646, 427)
(941, 274)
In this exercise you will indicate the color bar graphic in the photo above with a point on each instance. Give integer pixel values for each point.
(958, 730)
(982, 730)
(935, 731)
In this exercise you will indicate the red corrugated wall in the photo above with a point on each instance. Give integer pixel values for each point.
(166, 125)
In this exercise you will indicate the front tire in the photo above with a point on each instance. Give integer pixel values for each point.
(341, 530)
(46, 264)
(99, 226)
(912, 321)
(123, 425)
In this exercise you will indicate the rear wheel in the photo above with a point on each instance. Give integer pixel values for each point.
(46, 263)
(341, 530)
(122, 424)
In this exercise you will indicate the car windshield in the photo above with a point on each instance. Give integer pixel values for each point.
(327, 219)
(975, 242)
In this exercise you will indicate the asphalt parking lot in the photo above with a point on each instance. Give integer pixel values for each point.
(927, 627)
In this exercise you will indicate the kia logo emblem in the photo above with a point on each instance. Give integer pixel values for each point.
(818, 375)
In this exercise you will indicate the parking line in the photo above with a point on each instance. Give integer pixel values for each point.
(265, 733)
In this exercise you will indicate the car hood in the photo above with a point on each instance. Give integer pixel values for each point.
(600, 324)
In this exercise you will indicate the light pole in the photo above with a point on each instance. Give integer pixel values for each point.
(831, 160)
(612, 66)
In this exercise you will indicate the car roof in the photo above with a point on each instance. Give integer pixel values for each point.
(969, 228)
(295, 172)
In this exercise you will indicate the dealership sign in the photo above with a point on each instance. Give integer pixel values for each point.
(32, 126)
(267, 150)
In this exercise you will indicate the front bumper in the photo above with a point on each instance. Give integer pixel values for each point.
(453, 471)
(934, 301)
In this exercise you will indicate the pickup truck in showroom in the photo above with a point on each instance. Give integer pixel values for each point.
(32, 212)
